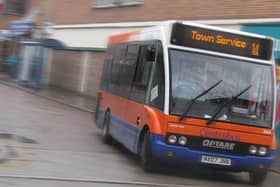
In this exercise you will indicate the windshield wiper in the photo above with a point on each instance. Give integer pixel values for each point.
(234, 98)
(182, 117)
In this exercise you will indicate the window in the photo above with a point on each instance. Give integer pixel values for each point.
(116, 3)
(118, 60)
(128, 66)
(17, 7)
(127, 69)
(119, 68)
(251, 84)
(156, 93)
(107, 68)
(142, 74)
(143, 67)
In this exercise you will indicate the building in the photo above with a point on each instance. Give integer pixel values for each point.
(11, 10)
(87, 23)
(17, 19)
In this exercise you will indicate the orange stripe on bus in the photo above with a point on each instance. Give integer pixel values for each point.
(160, 123)
(246, 137)
(126, 37)
(248, 134)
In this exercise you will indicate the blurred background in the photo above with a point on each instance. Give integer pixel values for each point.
(70, 36)
(61, 44)
(56, 48)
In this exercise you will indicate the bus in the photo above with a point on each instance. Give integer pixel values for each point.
(190, 94)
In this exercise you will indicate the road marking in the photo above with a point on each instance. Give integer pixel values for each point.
(20, 155)
(94, 181)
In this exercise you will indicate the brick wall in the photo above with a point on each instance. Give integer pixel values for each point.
(5, 19)
(83, 11)
(78, 12)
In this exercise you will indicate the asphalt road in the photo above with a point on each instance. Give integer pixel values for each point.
(43, 143)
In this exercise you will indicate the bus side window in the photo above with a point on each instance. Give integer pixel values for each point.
(128, 68)
(143, 67)
(156, 95)
(141, 74)
(107, 68)
(118, 59)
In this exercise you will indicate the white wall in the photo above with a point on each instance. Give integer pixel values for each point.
(96, 35)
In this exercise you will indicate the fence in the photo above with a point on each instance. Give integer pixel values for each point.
(77, 70)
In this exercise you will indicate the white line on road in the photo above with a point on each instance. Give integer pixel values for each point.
(93, 181)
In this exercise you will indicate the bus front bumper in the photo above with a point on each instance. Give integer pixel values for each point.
(185, 156)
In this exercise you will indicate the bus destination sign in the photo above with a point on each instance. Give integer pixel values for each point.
(220, 41)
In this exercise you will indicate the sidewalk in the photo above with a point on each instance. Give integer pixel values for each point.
(59, 95)
(80, 102)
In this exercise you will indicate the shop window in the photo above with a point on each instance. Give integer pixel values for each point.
(17, 7)
(116, 3)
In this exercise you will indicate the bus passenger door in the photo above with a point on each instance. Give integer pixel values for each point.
(139, 87)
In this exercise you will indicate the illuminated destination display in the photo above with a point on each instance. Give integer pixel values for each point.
(220, 41)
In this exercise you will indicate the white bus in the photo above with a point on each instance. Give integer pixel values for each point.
(187, 93)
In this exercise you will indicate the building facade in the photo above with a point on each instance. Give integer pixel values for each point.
(88, 23)
(12, 10)
(67, 12)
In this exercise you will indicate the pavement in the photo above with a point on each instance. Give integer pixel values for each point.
(80, 102)
(56, 94)
(56, 145)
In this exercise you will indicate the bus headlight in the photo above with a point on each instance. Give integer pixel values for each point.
(172, 139)
(253, 149)
(182, 140)
(262, 151)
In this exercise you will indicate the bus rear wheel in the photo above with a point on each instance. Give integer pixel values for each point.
(257, 177)
(147, 161)
(105, 129)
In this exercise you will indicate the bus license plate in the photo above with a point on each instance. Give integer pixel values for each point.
(216, 160)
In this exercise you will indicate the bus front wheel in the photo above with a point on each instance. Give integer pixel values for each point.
(147, 161)
(105, 129)
(257, 177)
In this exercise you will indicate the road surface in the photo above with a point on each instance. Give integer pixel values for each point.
(43, 143)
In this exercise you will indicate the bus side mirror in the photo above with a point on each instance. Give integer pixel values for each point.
(151, 54)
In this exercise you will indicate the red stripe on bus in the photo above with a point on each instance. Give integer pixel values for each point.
(126, 37)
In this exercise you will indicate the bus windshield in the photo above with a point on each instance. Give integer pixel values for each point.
(193, 73)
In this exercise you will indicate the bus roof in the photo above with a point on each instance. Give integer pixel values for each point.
(204, 37)
(136, 35)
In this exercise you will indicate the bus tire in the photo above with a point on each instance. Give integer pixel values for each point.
(257, 177)
(147, 161)
(107, 139)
